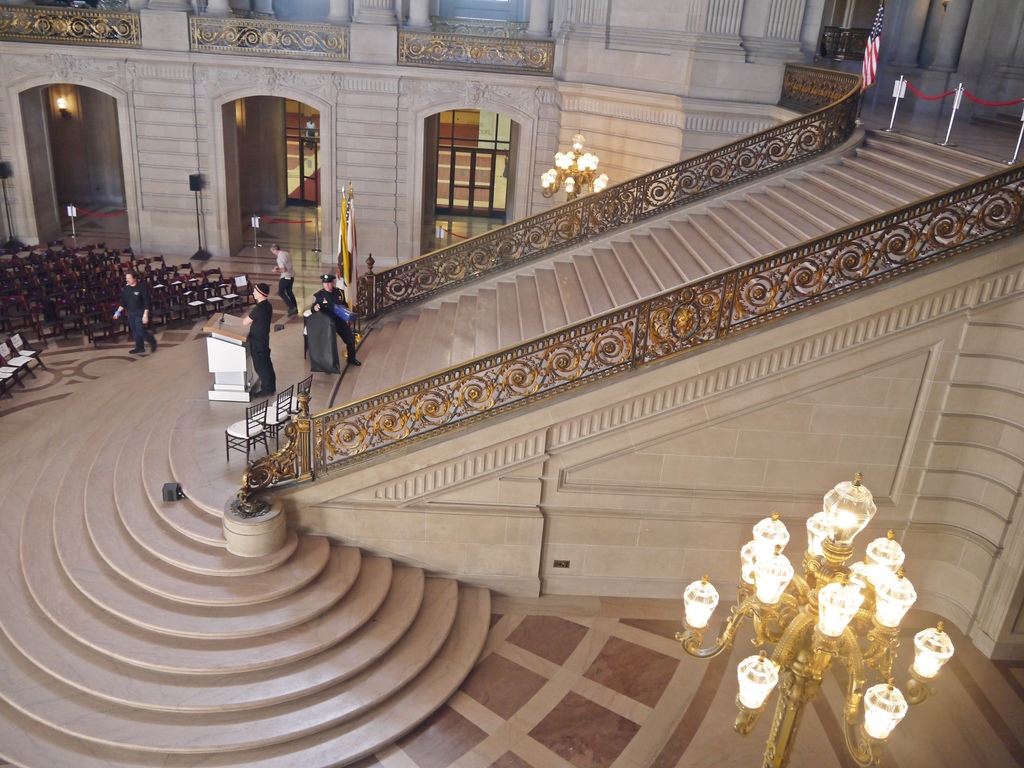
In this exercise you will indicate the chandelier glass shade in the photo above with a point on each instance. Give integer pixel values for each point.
(831, 613)
(576, 171)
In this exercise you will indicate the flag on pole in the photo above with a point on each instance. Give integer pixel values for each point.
(343, 255)
(870, 68)
(351, 276)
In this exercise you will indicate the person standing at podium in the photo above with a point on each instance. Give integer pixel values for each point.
(259, 340)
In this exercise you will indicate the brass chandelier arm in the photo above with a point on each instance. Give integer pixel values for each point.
(691, 639)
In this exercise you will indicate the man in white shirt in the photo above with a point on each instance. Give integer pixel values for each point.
(284, 285)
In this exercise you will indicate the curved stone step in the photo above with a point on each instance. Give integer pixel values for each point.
(155, 535)
(76, 615)
(122, 553)
(52, 654)
(184, 515)
(82, 716)
(26, 741)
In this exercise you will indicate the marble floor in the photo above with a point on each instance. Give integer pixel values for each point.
(587, 682)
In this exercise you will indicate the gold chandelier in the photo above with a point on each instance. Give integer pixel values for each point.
(576, 171)
(832, 613)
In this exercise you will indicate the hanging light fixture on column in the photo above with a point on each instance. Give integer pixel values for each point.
(576, 171)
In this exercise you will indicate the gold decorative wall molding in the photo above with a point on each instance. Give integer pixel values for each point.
(70, 25)
(486, 54)
(262, 37)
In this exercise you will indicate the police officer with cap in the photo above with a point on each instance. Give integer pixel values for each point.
(326, 300)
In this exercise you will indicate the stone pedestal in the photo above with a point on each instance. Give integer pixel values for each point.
(254, 536)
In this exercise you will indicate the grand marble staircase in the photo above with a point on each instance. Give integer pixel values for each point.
(875, 173)
(132, 637)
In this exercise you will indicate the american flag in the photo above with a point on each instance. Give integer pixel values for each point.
(871, 49)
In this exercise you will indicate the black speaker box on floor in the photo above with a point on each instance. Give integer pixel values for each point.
(172, 492)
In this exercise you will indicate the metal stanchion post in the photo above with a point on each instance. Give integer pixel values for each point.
(899, 90)
(255, 222)
(73, 212)
(316, 230)
(1020, 135)
(956, 106)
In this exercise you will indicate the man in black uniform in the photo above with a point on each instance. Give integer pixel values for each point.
(135, 303)
(325, 300)
(259, 340)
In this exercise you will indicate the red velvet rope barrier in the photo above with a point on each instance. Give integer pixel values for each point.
(100, 215)
(984, 103)
(288, 221)
(453, 234)
(929, 98)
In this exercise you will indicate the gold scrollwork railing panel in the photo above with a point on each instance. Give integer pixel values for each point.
(280, 38)
(722, 305)
(488, 54)
(632, 201)
(70, 25)
(478, 27)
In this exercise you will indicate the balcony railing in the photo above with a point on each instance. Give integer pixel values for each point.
(804, 88)
(268, 37)
(449, 50)
(843, 43)
(76, 26)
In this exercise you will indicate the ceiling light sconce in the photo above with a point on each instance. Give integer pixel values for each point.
(831, 613)
(576, 171)
(62, 107)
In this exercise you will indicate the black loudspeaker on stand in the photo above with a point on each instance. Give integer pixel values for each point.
(195, 184)
(12, 242)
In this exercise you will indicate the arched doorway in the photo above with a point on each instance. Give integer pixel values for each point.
(73, 145)
(272, 170)
(467, 187)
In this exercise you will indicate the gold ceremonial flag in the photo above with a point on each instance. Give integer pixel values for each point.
(350, 251)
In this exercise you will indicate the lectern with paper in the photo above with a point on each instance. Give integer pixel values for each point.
(230, 361)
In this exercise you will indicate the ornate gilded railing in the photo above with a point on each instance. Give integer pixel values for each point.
(521, 55)
(833, 97)
(278, 38)
(70, 25)
(843, 43)
(867, 254)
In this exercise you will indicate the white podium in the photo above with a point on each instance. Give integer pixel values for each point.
(230, 361)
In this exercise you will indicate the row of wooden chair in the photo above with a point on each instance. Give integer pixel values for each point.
(264, 420)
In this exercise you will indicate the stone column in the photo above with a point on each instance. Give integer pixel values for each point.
(339, 12)
(218, 7)
(419, 14)
(376, 12)
(951, 37)
(909, 44)
(540, 10)
(264, 6)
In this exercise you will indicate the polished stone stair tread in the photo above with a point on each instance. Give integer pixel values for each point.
(27, 740)
(184, 514)
(750, 238)
(464, 340)
(918, 170)
(860, 200)
(443, 338)
(731, 248)
(910, 183)
(365, 380)
(615, 276)
(124, 554)
(126, 599)
(155, 535)
(642, 277)
(531, 315)
(82, 667)
(80, 714)
(552, 311)
(486, 337)
(950, 159)
(660, 265)
(509, 331)
(55, 594)
(753, 211)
